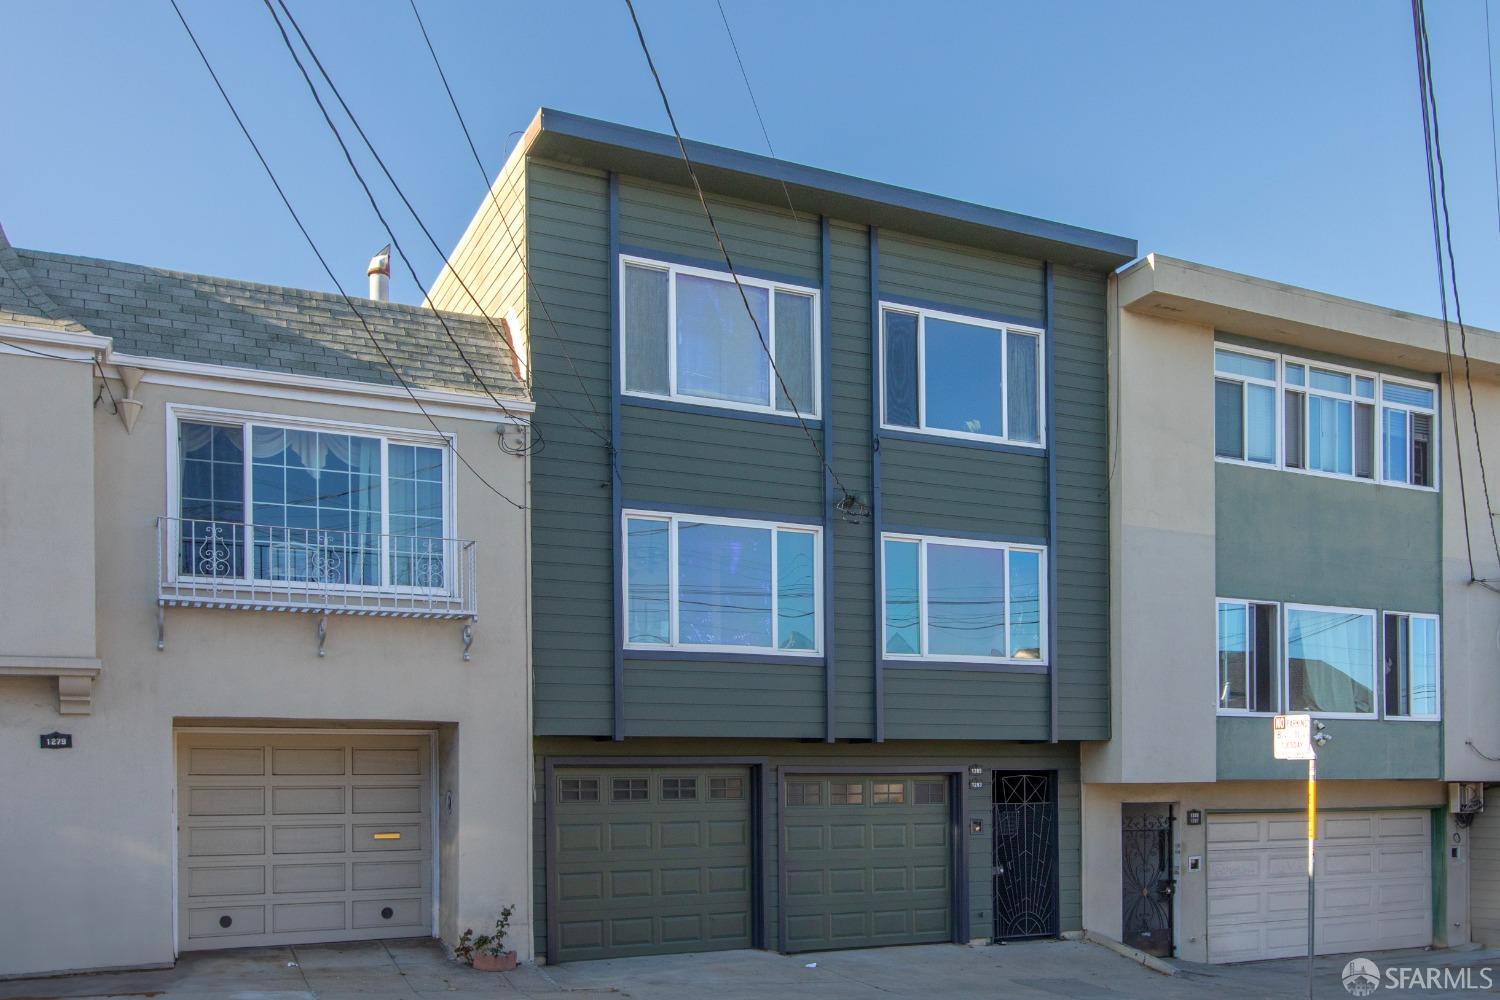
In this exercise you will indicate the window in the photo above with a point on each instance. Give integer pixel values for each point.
(1245, 406)
(726, 788)
(1333, 421)
(1330, 660)
(311, 504)
(1249, 657)
(960, 376)
(888, 793)
(721, 584)
(804, 793)
(1411, 666)
(929, 793)
(1406, 420)
(961, 600)
(687, 335)
(846, 793)
(679, 789)
(629, 789)
(580, 790)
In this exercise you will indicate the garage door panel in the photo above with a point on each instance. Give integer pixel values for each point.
(1374, 884)
(630, 837)
(327, 876)
(386, 760)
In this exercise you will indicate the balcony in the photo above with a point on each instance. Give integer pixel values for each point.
(223, 564)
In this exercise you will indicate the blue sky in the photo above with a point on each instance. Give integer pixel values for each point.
(1278, 138)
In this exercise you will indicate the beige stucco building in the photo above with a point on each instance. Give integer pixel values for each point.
(277, 625)
(1287, 534)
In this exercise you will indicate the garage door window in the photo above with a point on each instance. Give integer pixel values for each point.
(842, 793)
(726, 788)
(580, 790)
(629, 789)
(930, 793)
(888, 793)
(804, 793)
(679, 789)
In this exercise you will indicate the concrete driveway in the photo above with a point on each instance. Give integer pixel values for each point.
(1043, 970)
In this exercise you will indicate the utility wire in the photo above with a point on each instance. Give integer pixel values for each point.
(516, 252)
(753, 102)
(286, 39)
(323, 261)
(849, 504)
(1424, 43)
(114, 404)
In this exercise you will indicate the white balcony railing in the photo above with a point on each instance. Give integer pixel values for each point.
(224, 564)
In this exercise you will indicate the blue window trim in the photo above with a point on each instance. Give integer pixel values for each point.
(825, 301)
(667, 507)
(1049, 340)
(1038, 451)
(815, 660)
(711, 264)
(709, 410)
(974, 536)
(876, 378)
(934, 305)
(984, 668)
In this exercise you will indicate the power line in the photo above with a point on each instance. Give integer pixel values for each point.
(286, 39)
(324, 262)
(849, 504)
(58, 357)
(753, 102)
(516, 253)
(1429, 91)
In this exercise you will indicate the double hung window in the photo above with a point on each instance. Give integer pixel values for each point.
(964, 601)
(1330, 419)
(960, 376)
(1249, 656)
(722, 584)
(260, 500)
(1245, 406)
(697, 336)
(1407, 415)
(1411, 666)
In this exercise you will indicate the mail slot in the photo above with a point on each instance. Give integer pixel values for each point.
(385, 836)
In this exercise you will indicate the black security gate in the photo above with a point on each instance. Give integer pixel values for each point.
(1146, 876)
(1025, 858)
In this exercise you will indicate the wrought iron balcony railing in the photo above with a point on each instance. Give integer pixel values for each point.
(224, 564)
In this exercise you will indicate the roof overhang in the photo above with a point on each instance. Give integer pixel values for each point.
(1254, 307)
(589, 142)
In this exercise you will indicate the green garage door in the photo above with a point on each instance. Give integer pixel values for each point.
(868, 861)
(651, 861)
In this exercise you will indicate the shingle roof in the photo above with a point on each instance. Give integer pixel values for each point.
(151, 312)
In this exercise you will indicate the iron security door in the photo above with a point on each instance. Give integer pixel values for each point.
(1146, 876)
(1025, 855)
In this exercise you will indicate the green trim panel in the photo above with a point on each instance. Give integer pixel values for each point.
(1360, 748)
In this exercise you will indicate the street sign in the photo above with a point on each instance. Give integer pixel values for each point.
(1291, 737)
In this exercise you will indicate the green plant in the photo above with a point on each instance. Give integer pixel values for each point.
(489, 944)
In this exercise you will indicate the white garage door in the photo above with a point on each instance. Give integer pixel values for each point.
(1374, 884)
(302, 838)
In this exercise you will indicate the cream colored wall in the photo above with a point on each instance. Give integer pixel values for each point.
(46, 508)
(1102, 845)
(89, 831)
(1162, 555)
(1471, 611)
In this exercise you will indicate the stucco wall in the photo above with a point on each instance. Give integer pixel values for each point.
(88, 832)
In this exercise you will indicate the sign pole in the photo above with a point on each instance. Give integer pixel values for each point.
(1312, 839)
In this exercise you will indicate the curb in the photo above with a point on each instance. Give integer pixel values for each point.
(1134, 954)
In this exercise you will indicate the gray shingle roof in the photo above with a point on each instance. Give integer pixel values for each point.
(156, 313)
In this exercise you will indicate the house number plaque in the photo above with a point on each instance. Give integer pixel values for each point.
(57, 741)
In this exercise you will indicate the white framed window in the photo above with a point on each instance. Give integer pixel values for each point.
(1249, 656)
(1413, 683)
(1321, 419)
(308, 502)
(1330, 661)
(1245, 406)
(721, 584)
(686, 336)
(962, 377)
(962, 600)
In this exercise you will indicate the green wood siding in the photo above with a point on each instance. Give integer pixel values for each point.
(989, 756)
(693, 698)
(931, 485)
(961, 277)
(964, 704)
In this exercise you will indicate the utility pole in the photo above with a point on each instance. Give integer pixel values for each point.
(1298, 737)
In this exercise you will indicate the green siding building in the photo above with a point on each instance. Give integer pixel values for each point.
(820, 547)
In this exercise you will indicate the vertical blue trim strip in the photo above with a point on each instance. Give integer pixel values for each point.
(616, 524)
(1052, 446)
(825, 407)
(875, 400)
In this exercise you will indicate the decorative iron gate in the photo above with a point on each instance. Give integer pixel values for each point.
(1025, 856)
(1146, 876)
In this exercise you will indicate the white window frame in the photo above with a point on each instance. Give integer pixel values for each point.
(1382, 404)
(1279, 681)
(1274, 384)
(178, 413)
(922, 616)
(1354, 400)
(672, 271)
(1377, 676)
(675, 644)
(923, 314)
(1378, 402)
(1437, 678)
